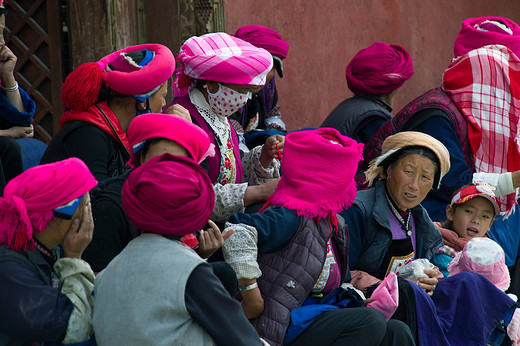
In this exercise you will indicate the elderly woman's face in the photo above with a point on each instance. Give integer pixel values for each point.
(409, 180)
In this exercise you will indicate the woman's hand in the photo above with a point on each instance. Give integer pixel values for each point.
(17, 132)
(79, 235)
(178, 111)
(428, 284)
(270, 149)
(211, 240)
(259, 193)
(7, 64)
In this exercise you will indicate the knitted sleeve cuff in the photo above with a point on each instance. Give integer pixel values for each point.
(240, 251)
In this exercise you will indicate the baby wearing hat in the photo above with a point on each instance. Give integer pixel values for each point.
(484, 256)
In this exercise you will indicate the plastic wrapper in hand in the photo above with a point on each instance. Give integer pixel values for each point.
(414, 270)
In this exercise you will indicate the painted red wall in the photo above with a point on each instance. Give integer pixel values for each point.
(325, 35)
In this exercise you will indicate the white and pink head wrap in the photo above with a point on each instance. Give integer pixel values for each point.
(223, 58)
(318, 173)
(30, 198)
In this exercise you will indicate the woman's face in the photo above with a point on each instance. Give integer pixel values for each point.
(409, 180)
(158, 100)
(472, 218)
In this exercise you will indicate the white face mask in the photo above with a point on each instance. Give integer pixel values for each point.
(226, 101)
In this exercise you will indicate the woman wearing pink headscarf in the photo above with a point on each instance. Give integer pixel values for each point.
(46, 290)
(216, 77)
(158, 291)
(101, 99)
(261, 116)
(374, 75)
(296, 251)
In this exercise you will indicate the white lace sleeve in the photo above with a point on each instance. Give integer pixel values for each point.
(77, 283)
(229, 199)
(254, 172)
(240, 251)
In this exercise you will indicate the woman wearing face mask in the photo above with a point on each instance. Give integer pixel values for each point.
(216, 77)
(101, 99)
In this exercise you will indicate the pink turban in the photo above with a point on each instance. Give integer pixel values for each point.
(318, 172)
(168, 195)
(221, 58)
(379, 69)
(483, 31)
(82, 86)
(181, 131)
(30, 198)
(264, 37)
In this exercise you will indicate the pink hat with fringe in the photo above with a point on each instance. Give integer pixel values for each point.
(318, 169)
(30, 198)
(169, 195)
(118, 72)
(485, 257)
(223, 58)
(181, 131)
(483, 31)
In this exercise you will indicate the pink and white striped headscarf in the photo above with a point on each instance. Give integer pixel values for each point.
(485, 85)
(221, 58)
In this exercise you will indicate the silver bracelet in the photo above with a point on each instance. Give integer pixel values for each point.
(248, 287)
(13, 88)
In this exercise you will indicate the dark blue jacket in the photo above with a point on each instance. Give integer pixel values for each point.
(358, 117)
(30, 308)
(369, 230)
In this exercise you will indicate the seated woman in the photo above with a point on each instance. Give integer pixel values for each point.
(302, 250)
(389, 228)
(158, 291)
(46, 290)
(16, 112)
(102, 98)
(149, 135)
(374, 75)
(216, 77)
(261, 116)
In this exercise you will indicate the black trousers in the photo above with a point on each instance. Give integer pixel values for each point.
(354, 326)
(11, 161)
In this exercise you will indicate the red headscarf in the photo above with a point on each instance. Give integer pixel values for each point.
(379, 69)
(30, 198)
(168, 195)
(483, 31)
(264, 37)
(318, 173)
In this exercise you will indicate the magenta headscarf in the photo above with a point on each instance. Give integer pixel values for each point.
(168, 195)
(82, 86)
(483, 31)
(181, 131)
(264, 37)
(379, 69)
(318, 169)
(221, 58)
(30, 198)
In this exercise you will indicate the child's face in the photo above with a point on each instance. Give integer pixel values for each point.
(471, 219)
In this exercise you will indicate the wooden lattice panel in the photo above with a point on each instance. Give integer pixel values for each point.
(33, 34)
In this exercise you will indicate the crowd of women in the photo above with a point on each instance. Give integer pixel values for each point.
(171, 223)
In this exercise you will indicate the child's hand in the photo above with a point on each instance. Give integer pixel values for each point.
(367, 301)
